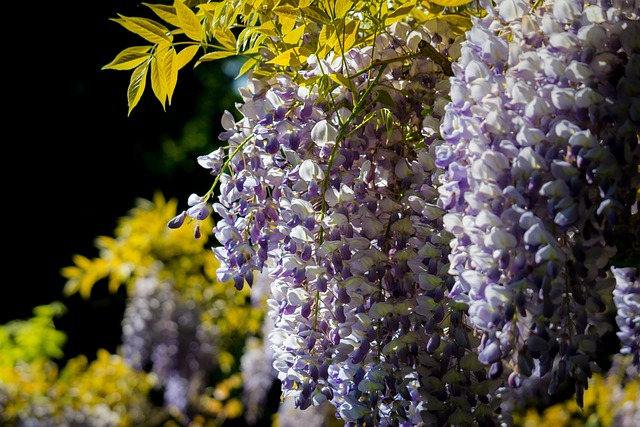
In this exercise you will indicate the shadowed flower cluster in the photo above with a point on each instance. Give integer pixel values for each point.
(541, 149)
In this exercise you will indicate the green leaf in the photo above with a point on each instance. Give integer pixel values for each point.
(129, 58)
(470, 362)
(385, 98)
(189, 22)
(137, 84)
(145, 28)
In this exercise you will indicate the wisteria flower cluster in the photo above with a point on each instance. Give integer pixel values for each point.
(430, 239)
(335, 198)
(540, 155)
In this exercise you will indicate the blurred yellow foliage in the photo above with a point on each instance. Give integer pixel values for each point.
(608, 399)
(106, 385)
(143, 244)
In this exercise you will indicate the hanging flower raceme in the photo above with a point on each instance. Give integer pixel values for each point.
(426, 237)
(541, 152)
(333, 196)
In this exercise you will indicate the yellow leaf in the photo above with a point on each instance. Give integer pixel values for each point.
(129, 58)
(268, 28)
(212, 56)
(289, 58)
(342, 80)
(459, 23)
(347, 34)
(136, 85)
(186, 55)
(400, 13)
(450, 3)
(159, 81)
(167, 13)
(189, 22)
(226, 38)
(171, 72)
(316, 14)
(286, 10)
(326, 34)
(287, 24)
(342, 7)
(156, 84)
(145, 28)
(249, 64)
(293, 37)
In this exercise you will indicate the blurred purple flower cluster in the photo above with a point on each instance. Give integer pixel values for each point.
(164, 335)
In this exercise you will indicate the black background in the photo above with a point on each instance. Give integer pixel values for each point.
(75, 162)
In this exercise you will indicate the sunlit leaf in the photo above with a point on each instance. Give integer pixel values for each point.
(226, 38)
(218, 54)
(186, 55)
(167, 13)
(347, 35)
(189, 22)
(290, 58)
(342, 80)
(171, 72)
(158, 80)
(400, 13)
(342, 7)
(459, 23)
(146, 28)
(286, 11)
(451, 3)
(316, 14)
(129, 58)
(287, 24)
(137, 84)
(294, 36)
(248, 65)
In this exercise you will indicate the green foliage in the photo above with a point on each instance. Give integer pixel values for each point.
(267, 34)
(34, 338)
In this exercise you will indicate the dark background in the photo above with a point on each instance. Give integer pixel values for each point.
(75, 162)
